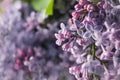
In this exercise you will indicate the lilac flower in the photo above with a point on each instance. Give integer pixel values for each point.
(60, 38)
(62, 34)
(75, 70)
(117, 45)
(66, 46)
(116, 35)
(95, 40)
(116, 59)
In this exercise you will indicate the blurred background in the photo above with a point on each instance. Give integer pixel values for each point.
(27, 43)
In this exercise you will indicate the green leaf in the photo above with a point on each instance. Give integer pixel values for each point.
(49, 9)
(26, 0)
(1, 10)
(39, 5)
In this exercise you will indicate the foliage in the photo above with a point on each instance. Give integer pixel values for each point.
(39, 5)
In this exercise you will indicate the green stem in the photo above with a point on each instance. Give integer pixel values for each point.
(93, 51)
(95, 2)
(91, 76)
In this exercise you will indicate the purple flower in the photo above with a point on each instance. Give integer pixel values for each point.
(75, 70)
(95, 34)
(62, 34)
(116, 35)
(78, 7)
(66, 46)
(117, 45)
(60, 38)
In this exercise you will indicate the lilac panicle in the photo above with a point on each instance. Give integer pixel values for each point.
(95, 40)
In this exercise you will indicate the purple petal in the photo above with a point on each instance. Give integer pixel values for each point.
(98, 28)
(78, 24)
(89, 27)
(87, 35)
(80, 32)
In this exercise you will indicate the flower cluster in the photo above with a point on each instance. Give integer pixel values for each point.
(93, 38)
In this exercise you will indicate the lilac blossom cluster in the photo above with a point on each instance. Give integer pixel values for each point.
(93, 38)
(27, 50)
